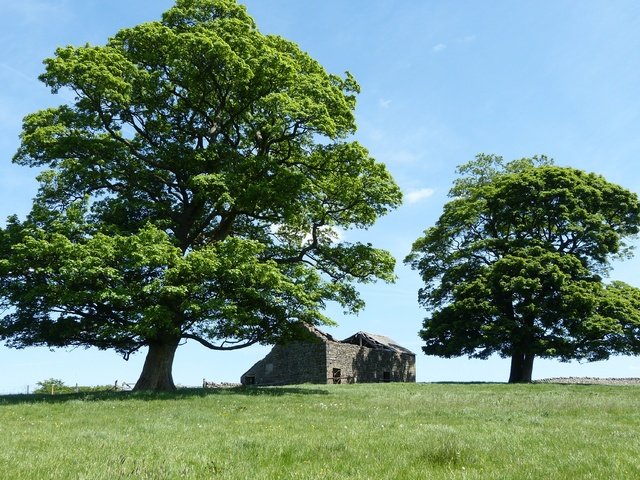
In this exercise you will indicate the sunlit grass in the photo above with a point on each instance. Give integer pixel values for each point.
(471, 431)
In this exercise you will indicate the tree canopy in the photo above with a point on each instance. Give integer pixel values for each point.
(514, 266)
(196, 188)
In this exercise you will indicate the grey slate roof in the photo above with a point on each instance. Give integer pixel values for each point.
(316, 332)
(371, 340)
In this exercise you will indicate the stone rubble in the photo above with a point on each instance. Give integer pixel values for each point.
(590, 381)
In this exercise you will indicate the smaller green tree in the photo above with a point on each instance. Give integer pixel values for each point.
(514, 266)
(51, 386)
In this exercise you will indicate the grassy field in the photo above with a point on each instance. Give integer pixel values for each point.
(382, 431)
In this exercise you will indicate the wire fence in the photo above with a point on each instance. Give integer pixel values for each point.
(17, 389)
(53, 389)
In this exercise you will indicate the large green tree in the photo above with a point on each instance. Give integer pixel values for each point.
(514, 266)
(194, 190)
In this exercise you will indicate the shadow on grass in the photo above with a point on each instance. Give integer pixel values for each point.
(181, 393)
(445, 382)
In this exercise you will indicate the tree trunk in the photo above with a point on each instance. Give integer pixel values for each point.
(521, 367)
(156, 373)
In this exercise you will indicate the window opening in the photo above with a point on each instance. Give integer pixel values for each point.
(337, 375)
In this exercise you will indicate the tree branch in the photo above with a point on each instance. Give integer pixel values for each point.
(211, 346)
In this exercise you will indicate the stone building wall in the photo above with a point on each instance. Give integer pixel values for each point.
(362, 365)
(330, 362)
(290, 364)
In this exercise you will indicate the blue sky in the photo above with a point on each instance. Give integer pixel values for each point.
(441, 81)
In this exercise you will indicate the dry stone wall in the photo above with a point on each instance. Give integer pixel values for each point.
(293, 363)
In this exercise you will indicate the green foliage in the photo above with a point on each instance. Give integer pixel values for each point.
(515, 262)
(192, 190)
(399, 431)
(55, 386)
(52, 386)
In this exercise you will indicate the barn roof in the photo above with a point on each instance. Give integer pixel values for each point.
(316, 332)
(371, 340)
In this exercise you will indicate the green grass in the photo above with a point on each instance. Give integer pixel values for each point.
(382, 431)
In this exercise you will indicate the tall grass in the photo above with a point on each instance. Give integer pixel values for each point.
(394, 431)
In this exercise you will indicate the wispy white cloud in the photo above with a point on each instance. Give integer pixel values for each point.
(439, 48)
(8, 70)
(328, 234)
(416, 196)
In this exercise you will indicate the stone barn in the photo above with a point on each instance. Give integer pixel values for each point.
(361, 358)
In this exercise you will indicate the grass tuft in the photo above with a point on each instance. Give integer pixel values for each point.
(446, 449)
